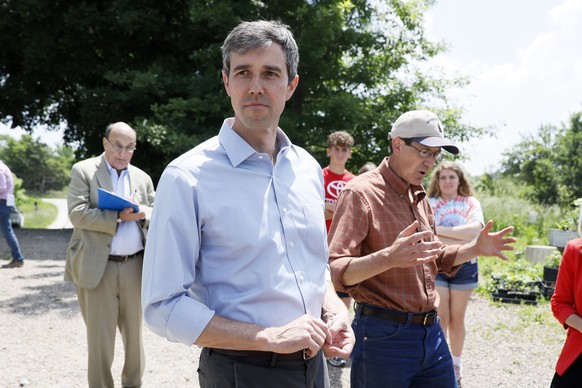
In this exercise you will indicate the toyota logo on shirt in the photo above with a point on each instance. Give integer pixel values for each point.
(333, 189)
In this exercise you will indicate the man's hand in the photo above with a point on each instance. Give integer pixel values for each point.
(409, 249)
(342, 338)
(306, 332)
(493, 244)
(128, 214)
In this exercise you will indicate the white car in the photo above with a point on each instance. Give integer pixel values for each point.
(17, 218)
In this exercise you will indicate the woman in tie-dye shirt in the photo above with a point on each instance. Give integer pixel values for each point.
(458, 219)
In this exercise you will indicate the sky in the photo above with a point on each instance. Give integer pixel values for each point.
(52, 138)
(524, 59)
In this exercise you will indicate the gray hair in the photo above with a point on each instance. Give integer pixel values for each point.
(248, 36)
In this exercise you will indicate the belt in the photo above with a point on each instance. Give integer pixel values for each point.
(125, 257)
(427, 318)
(257, 354)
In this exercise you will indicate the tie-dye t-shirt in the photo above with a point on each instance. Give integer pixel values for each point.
(456, 212)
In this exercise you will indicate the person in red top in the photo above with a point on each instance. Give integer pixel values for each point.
(567, 308)
(335, 176)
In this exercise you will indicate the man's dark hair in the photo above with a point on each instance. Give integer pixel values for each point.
(249, 36)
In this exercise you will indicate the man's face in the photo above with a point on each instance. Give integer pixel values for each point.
(408, 164)
(338, 154)
(258, 88)
(117, 145)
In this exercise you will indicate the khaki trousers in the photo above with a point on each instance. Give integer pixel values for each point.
(114, 303)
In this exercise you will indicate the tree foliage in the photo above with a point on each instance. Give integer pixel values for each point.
(549, 163)
(156, 65)
(40, 167)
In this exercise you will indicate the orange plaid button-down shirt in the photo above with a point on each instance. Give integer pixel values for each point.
(371, 211)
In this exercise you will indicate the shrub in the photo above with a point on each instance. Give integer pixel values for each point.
(554, 259)
(530, 221)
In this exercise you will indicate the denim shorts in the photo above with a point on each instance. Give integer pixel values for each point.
(466, 279)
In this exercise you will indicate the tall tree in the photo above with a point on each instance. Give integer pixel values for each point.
(549, 163)
(156, 65)
(569, 160)
(40, 167)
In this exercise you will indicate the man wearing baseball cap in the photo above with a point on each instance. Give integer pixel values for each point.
(384, 253)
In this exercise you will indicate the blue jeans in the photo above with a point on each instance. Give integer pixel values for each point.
(7, 232)
(400, 355)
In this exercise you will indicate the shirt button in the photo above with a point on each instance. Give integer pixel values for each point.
(260, 156)
(291, 244)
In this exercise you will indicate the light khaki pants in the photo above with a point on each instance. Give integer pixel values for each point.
(114, 303)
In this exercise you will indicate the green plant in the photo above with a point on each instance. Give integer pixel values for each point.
(521, 282)
(568, 218)
(516, 274)
(554, 259)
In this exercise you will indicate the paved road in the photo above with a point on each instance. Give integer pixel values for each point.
(62, 221)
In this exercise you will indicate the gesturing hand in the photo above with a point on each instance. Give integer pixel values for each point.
(493, 244)
(410, 248)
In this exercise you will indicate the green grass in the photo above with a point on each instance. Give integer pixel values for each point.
(48, 194)
(38, 216)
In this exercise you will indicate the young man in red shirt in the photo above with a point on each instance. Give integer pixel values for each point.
(335, 176)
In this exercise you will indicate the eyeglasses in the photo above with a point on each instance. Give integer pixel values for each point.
(424, 153)
(119, 148)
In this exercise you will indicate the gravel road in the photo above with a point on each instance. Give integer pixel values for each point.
(42, 340)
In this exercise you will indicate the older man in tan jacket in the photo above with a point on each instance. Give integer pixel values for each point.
(104, 257)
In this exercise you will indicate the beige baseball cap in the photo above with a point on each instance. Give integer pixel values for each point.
(424, 127)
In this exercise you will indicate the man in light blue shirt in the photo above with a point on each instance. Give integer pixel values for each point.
(236, 257)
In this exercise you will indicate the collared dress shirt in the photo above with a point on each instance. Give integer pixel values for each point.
(128, 238)
(234, 235)
(371, 211)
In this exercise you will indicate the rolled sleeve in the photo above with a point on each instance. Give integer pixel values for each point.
(167, 319)
(338, 268)
(447, 258)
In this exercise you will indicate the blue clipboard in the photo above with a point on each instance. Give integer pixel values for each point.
(110, 201)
